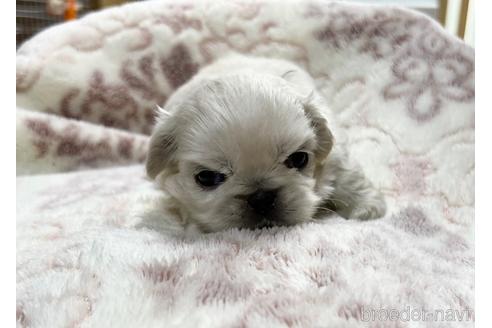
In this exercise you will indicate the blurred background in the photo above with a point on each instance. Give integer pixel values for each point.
(457, 16)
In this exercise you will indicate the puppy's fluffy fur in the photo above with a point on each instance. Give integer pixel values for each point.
(243, 117)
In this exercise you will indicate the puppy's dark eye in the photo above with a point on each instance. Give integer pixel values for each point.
(208, 178)
(297, 160)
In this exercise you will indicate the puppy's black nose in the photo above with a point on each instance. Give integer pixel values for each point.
(262, 201)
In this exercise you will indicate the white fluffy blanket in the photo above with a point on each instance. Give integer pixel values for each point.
(90, 248)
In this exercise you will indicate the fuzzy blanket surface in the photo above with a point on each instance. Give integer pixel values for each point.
(91, 251)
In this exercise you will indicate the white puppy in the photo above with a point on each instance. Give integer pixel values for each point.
(249, 143)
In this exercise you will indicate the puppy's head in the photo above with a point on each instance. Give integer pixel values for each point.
(240, 151)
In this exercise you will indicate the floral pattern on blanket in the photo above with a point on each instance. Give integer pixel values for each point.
(89, 225)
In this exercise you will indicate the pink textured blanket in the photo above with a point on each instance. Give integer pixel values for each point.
(90, 248)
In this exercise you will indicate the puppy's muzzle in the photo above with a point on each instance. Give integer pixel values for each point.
(262, 201)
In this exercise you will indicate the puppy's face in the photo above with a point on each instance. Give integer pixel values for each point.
(240, 152)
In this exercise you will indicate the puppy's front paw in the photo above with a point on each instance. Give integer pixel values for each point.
(372, 207)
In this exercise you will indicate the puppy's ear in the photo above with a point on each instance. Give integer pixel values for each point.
(162, 144)
(319, 124)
